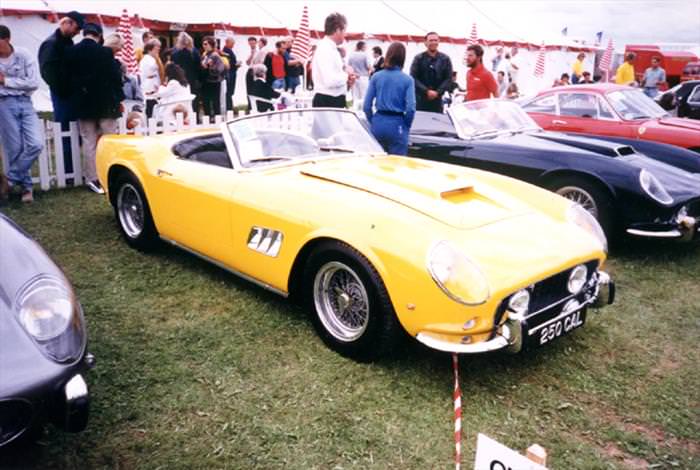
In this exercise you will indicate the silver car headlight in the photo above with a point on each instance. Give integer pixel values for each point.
(579, 216)
(654, 188)
(46, 308)
(458, 276)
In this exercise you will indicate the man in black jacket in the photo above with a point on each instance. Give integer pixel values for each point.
(432, 73)
(95, 93)
(52, 66)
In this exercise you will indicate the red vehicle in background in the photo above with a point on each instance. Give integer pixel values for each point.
(604, 109)
(673, 62)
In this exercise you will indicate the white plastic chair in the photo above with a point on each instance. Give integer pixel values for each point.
(256, 100)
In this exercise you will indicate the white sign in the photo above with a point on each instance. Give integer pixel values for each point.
(222, 34)
(492, 455)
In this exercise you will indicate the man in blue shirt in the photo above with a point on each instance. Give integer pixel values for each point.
(20, 130)
(653, 77)
(392, 93)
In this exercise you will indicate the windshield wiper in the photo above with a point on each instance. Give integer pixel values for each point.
(267, 159)
(336, 149)
(485, 133)
(641, 116)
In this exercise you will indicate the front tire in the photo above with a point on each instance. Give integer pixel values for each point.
(350, 307)
(133, 213)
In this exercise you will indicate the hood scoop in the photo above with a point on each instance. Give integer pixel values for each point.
(439, 192)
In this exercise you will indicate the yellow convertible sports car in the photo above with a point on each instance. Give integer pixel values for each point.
(306, 204)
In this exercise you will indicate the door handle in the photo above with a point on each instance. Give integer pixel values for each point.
(162, 173)
(559, 122)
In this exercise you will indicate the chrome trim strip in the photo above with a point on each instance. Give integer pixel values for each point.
(499, 342)
(645, 233)
(560, 316)
(227, 268)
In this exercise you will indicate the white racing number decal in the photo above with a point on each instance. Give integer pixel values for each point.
(561, 326)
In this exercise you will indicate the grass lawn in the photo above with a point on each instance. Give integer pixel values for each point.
(198, 369)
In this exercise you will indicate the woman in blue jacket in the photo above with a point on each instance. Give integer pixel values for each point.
(390, 103)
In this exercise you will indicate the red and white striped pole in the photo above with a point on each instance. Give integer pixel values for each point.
(458, 413)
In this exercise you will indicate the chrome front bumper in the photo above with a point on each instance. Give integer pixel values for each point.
(510, 335)
(687, 228)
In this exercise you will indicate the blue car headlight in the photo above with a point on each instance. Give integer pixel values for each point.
(48, 311)
(653, 187)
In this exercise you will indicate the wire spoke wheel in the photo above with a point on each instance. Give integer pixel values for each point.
(341, 301)
(130, 209)
(581, 197)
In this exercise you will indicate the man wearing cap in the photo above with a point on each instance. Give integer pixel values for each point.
(20, 130)
(95, 94)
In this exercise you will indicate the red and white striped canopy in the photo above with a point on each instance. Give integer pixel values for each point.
(301, 48)
(127, 55)
(472, 39)
(606, 60)
(539, 65)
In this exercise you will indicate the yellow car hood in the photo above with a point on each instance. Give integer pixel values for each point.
(451, 195)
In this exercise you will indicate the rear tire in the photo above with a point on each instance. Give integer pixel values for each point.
(133, 213)
(591, 197)
(350, 307)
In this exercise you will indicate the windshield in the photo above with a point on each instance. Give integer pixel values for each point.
(485, 118)
(299, 135)
(633, 104)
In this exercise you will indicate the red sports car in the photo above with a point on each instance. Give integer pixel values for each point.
(610, 110)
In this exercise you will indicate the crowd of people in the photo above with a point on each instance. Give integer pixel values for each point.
(89, 84)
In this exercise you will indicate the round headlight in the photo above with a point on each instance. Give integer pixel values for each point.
(458, 276)
(577, 278)
(45, 308)
(653, 187)
(577, 215)
(519, 302)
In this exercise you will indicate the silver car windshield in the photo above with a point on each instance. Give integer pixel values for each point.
(484, 118)
(299, 134)
(633, 104)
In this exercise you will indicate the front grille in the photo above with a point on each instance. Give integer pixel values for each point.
(546, 292)
(15, 416)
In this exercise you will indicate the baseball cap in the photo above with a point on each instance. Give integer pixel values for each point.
(93, 28)
(77, 17)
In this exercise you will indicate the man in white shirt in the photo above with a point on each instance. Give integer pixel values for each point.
(262, 52)
(331, 77)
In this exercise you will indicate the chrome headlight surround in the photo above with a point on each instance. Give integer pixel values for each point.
(457, 275)
(580, 217)
(519, 303)
(653, 187)
(577, 279)
(47, 310)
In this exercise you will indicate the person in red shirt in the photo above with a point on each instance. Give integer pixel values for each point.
(480, 83)
(276, 64)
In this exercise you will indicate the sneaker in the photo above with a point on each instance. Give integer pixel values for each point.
(95, 186)
(27, 195)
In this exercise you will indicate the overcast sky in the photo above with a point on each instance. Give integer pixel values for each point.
(637, 21)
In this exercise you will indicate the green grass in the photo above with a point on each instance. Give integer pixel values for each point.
(198, 369)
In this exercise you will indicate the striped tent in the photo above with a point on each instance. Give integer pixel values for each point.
(127, 55)
(606, 60)
(539, 65)
(301, 48)
(472, 39)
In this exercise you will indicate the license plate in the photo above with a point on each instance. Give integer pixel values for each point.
(551, 331)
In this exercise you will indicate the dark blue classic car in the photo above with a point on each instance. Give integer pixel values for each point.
(43, 342)
(624, 189)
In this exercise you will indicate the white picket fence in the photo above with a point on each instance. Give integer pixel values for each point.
(49, 169)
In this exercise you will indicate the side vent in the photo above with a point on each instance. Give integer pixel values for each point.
(624, 150)
(265, 241)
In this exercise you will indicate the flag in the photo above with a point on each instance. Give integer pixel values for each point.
(565, 31)
(472, 39)
(126, 55)
(598, 37)
(301, 48)
(606, 60)
(539, 65)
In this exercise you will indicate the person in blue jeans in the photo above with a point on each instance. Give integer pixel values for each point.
(20, 130)
(390, 103)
